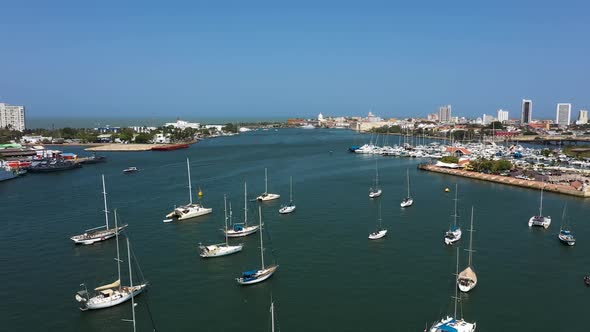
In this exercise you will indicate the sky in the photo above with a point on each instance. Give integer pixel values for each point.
(271, 59)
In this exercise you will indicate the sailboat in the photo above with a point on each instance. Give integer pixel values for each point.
(289, 207)
(540, 220)
(98, 234)
(241, 229)
(265, 272)
(376, 191)
(111, 294)
(408, 201)
(565, 234)
(451, 323)
(222, 249)
(379, 232)
(467, 279)
(454, 233)
(191, 210)
(266, 196)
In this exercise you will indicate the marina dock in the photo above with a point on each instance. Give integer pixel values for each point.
(560, 189)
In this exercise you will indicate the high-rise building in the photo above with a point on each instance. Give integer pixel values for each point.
(12, 117)
(563, 116)
(444, 113)
(502, 115)
(527, 111)
(583, 117)
(487, 119)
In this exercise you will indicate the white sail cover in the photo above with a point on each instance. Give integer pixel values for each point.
(113, 285)
(468, 274)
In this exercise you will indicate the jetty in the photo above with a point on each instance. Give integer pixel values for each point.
(556, 188)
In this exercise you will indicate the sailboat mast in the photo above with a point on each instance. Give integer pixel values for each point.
(225, 213)
(265, 181)
(131, 283)
(190, 189)
(261, 247)
(456, 276)
(471, 238)
(456, 195)
(408, 176)
(376, 176)
(106, 210)
(245, 205)
(272, 316)
(380, 227)
(291, 189)
(118, 255)
(541, 204)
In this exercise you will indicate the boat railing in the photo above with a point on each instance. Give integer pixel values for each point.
(95, 228)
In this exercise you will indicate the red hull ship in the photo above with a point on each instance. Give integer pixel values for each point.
(170, 147)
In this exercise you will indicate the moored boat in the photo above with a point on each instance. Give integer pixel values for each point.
(242, 229)
(266, 196)
(190, 210)
(467, 279)
(540, 220)
(221, 249)
(565, 233)
(291, 206)
(454, 233)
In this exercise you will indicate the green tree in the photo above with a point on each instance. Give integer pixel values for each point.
(449, 159)
(230, 128)
(126, 134)
(143, 138)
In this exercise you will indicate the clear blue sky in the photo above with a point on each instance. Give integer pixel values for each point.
(248, 58)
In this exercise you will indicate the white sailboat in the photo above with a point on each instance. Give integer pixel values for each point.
(408, 201)
(289, 207)
(452, 323)
(221, 249)
(266, 196)
(565, 233)
(190, 210)
(454, 233)
(241, 229)
(467, 279)
(540, 220)
(376, 191)
(380, 231)
(111, 294)
(265, 272)
(98, 234)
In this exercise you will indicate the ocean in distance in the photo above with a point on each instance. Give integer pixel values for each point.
(331, 277)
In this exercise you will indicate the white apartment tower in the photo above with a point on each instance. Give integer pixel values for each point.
(12, 117)
(563, 116)
(583, 117)
(502, 115)
(444, 113)
(527, 111)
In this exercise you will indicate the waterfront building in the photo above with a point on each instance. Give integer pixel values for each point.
(583, 117)
(143, 129)
(433, 117)
(487, 119)
(563, 116)
(12, 116)
(373, 118)
(181, 124)
(108, 130)
(502, 115)
(527, 111)
(444, 114)
(320, 118)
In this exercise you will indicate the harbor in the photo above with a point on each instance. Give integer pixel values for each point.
(328, 267)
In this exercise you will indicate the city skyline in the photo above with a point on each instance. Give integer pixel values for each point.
(261, 60)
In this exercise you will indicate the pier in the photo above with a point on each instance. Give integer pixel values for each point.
(556, 188)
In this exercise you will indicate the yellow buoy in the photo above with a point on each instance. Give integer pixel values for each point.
(200, 192)
(447, 190)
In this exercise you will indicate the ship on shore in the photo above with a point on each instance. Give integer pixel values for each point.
(170, 147)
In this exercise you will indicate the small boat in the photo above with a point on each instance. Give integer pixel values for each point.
(266, 196)
(565, 234)
(222, 249)
(375, 191)
(111, 294)
(241, 229)
(587, 280)
(130, 170)
(447, 190)
(540, 220)
(380, 231)
(289, 207)
(265, 272)
(452, 323)
(467, 279)
(408, 201)
(94, 159)
(454, 233)
(98, 234)
(190, 210)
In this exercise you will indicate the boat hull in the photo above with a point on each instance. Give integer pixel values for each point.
(407, 202)
(453, 236)
(94, 305)
(245, 232)
(541, 221)
(191, 213)
(378, 235)
(262, 275)
(97, 236)
(268, 197)
(287, 209)
(375, 194)
(219, 251)
(450, 324)
(566, 240)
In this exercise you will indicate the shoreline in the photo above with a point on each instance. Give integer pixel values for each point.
(560, 189)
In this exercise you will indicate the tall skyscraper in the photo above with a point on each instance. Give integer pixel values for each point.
(583, 117)
(502, 115)
(444, 113)
(563, 116)
(527, 111)
(12, 117)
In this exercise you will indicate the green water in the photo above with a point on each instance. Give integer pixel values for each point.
(331, 277)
